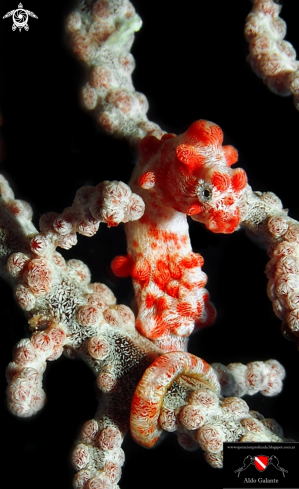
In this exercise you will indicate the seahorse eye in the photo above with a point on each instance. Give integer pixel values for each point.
(204, 191)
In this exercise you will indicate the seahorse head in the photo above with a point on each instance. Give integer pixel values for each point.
(192, 174)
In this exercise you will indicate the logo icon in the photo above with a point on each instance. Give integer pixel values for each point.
(261, 462)
(20, 17)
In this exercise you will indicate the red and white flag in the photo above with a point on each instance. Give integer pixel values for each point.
(261, 462)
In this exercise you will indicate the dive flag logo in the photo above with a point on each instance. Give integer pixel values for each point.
(261, 462)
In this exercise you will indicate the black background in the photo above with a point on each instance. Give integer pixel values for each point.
(191, 64)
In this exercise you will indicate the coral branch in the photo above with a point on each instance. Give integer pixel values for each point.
(269, 223)
(239, 380)
(272, 58)
(102, 38)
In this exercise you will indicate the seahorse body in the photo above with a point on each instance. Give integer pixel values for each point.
(178, 176)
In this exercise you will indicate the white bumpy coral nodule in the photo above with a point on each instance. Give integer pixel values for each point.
(24, 375)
